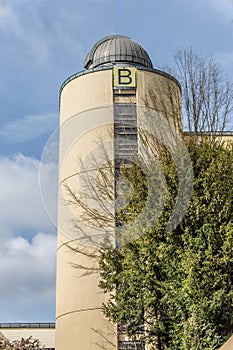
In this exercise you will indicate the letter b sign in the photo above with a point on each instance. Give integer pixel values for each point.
(124, 77)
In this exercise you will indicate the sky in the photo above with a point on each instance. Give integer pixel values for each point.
(43, 42)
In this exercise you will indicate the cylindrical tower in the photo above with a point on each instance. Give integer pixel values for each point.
(99, 108)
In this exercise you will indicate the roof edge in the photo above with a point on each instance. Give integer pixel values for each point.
(101, 68)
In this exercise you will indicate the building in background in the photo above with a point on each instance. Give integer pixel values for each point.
(44, 332)
(101, 112)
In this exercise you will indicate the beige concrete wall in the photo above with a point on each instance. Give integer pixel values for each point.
(225, 138)
(86, 122)
(80, 322)
(46, 336)
(2, 336)
(91, 90)
(228, 345)
(161, 93)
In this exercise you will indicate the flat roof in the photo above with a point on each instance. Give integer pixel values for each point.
(27, 325)
(210, 133)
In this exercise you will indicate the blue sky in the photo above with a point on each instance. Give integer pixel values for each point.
(42, 42)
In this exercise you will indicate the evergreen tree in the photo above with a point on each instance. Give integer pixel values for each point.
(179, 284)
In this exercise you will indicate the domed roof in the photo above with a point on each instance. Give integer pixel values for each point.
(114, 49)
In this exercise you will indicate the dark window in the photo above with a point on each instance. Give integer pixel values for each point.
(125, 133)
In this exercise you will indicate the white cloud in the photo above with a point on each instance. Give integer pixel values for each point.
(3, 2)
(28, 128)
(27, 241)
(26, 27)
(28, 269)
(21, 205)
(223, 7)
(9, 21)
(25, 24)
(27, 276)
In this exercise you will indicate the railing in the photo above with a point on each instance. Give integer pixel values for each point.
(27, 325)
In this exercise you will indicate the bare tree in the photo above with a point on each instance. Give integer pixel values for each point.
(207, 93)
(22, 344)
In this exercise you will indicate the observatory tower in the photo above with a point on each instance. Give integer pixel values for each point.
(99, 114)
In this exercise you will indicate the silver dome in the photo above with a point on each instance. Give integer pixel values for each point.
(114, 49)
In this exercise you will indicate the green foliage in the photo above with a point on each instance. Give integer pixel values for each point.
(179, 284)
